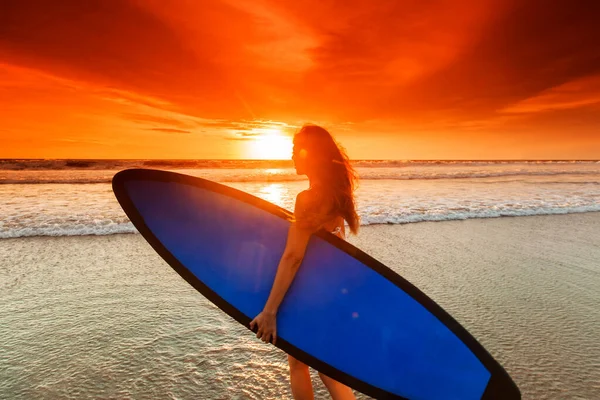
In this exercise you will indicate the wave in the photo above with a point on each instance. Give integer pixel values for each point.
(100, 164)
(564, 183)
(268, 177)
(33, 181)
(85, 164)
(456, 216)
(366, 220)
(416, 163)
(68, 230)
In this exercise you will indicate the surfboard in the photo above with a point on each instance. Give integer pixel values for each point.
(346, 314)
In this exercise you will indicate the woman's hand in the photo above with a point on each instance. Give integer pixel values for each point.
(266, 322)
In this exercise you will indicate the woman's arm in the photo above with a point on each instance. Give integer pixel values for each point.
(291, 259)
(295, 248)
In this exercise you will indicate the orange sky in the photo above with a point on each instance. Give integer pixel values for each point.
(440, 79)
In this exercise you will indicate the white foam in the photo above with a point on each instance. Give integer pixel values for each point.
(83, 209)
(66, 230)
(451, 216)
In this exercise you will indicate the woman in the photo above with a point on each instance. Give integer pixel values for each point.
(327, 203)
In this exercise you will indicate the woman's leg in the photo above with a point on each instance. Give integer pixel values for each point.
(338, 391)
(300, 380)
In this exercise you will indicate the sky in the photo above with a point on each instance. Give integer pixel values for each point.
(391, 79)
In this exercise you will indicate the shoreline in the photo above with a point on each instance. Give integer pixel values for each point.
(367, 226)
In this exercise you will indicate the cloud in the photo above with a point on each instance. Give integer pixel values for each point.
(169, 130)
(574, 94)
(155, 119)
(229, 69)
(240, 138)
(528, 48)
(311, 60)
(78, 141)
(108, 43)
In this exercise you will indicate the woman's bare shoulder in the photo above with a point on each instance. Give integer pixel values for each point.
(313, 200)
(312, 209)
(304, 203)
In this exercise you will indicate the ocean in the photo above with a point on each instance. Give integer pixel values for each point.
(89, 310)
(74, 197)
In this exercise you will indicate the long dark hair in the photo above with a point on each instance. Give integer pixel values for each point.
(328, 162)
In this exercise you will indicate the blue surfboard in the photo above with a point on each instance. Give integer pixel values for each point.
(346, 314)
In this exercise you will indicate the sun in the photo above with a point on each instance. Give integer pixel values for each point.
(270, 144)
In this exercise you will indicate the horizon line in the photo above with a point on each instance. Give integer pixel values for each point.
(285, 159)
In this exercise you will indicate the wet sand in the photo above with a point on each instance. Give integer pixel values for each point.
(104, 316)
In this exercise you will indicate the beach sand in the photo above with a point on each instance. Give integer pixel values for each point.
(528, 288)
(104, 316)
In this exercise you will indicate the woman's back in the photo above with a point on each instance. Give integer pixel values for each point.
(319, 212)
